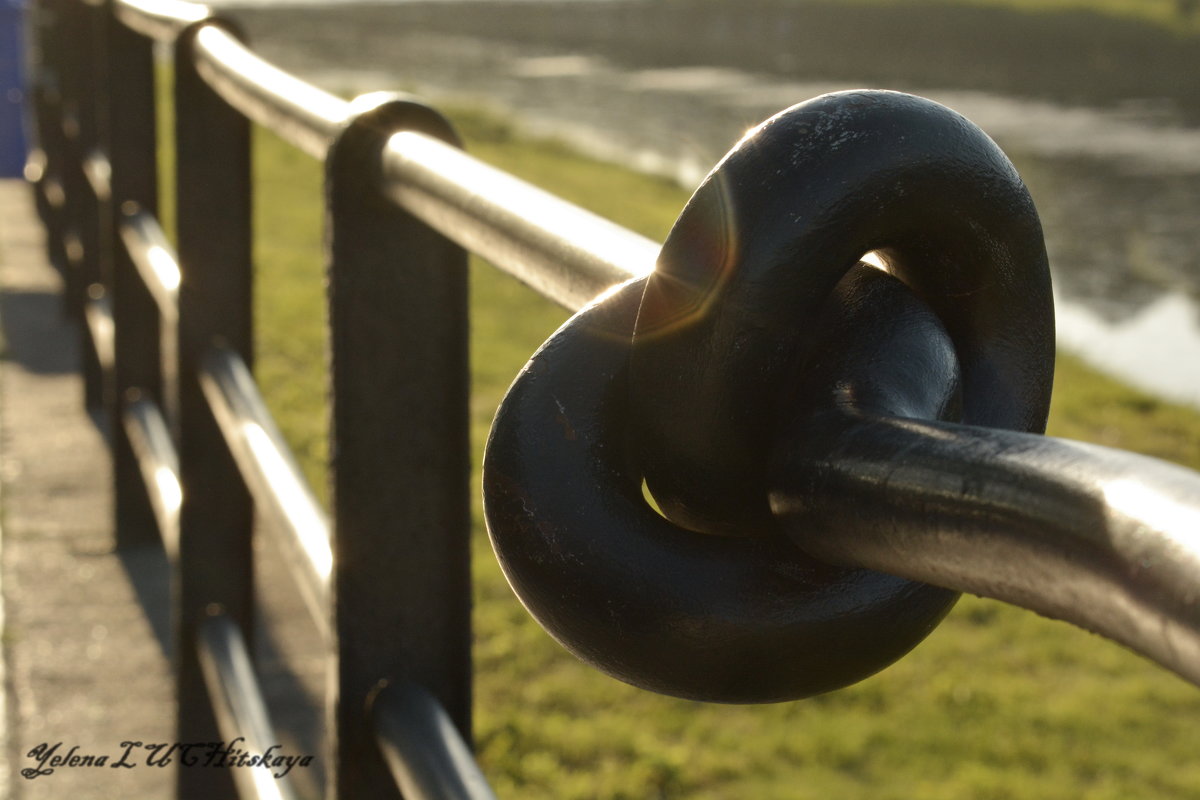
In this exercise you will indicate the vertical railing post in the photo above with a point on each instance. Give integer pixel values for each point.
(130, 140)
(81, 122)
(400, 465)
(67, 30)
(46, 86)
(215, 570)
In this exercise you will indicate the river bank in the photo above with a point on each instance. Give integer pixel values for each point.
(1117, 182)
(1073, 57)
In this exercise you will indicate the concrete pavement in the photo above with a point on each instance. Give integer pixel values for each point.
(86, 636)
(86, 665)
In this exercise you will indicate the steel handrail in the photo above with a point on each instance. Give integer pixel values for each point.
(160, 20)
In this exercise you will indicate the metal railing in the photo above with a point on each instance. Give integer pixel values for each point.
(167, 333)
(385, 572)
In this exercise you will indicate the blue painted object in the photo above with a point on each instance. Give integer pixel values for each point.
(12, 88)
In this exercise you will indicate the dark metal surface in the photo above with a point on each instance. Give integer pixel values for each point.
(282, 496)
(80, 119)
(241, 711)
(212, 158)
(728, 619)
(129, 138)
(47, 154)
(400, 460)
(862, 413)
(425, 752)
(860, 477)
(725, 327)
(566, 253)
(1097, 537)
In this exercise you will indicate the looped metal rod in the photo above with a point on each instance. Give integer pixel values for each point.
(728, 320)
(718, 618)
(805, 421)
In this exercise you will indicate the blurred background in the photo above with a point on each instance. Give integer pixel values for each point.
(1096, 101)
(1098, 104)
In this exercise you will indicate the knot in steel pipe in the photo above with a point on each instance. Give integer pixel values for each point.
(759, 323)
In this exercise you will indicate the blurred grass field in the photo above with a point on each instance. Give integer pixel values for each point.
(997, 703)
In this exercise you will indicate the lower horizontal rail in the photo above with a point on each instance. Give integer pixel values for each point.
(72, 245)
(53, 192)
(99, 317)
(159, 464)
(423, 749)
(154, 257)
(98, 171)
(280, 491)
(239, 708)
(36, 162)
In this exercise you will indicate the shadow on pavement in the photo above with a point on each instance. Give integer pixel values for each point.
(31, 321)
(297, 715)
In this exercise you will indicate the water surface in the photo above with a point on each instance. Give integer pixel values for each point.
(1117, 182)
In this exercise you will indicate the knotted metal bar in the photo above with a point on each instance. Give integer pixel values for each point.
(768, 389)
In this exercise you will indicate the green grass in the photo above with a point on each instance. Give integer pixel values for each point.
(998, 703)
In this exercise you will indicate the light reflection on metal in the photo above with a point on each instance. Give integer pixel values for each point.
(154, 258)
(294, 498)
(53, 190)
(424, 751)
(35, 165)
(280, 492)
(73, 246)
(239, 706)
(99, 317)
(159, 465)
(1101, 538)
(568, 254)
(308, 117)
(159, 19)
(98, 171)
(165, 267)
(1175, 521)
(169, 489)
